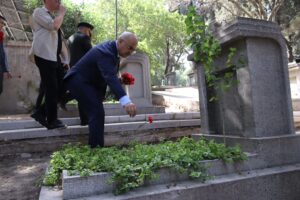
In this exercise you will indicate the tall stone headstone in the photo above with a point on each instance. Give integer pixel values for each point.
(171, 78)
(256, 112)
(140, 93)
(259, 104)
(138, 65)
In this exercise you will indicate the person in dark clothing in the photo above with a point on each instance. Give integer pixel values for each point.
(3, 59)
(88, 78)
(79, 44)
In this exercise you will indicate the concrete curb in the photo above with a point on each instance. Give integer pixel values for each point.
(255, 184)
(98, 183)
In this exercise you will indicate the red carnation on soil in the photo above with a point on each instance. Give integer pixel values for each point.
(127, 78)
(150, 119)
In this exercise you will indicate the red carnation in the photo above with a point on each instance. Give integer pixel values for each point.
(150, 119)
(127, 78)
(1, 36)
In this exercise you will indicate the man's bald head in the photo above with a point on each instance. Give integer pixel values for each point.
(127, 43)
(127, 36)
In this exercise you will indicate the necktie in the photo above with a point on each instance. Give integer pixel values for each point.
(52, 16)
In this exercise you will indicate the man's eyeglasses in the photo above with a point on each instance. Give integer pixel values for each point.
(130, 48)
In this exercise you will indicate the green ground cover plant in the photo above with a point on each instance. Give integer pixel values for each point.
(206, 48)
(131, 166)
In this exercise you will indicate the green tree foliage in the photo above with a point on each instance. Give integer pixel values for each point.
(283, 12)
(289, 19)
(160, 32)
(72, 16)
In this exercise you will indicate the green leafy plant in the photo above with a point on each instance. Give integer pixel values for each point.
(131, 166)
(206, 48)
(201, 40)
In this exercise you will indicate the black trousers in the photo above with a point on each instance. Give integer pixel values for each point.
(1, 82)
(61, 90)
(50, 82)
(90, 98)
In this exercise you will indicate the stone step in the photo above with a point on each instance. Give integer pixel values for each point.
(113, 109)
(19, 136)
(48, 143)
(28, 133)
(29, 124)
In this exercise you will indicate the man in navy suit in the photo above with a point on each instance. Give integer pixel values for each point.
(88, 78)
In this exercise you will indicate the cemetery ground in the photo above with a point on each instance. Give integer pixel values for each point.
(21, 175)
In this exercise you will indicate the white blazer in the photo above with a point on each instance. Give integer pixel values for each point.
(45, 37)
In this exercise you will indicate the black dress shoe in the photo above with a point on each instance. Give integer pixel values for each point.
(56, 124)
(83, 123)
(39, 118)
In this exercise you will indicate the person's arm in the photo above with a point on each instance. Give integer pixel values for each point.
(65, 55)
(42, 18)
(45, 20)
(58, 20)
(3, 62)
(129, 107)
(108, 70)
(7, 75)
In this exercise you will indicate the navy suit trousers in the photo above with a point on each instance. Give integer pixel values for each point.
(90, 98)
(1, 82)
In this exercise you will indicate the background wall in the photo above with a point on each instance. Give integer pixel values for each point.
(19, 93)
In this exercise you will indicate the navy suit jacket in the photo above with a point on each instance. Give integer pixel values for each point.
(98, 67)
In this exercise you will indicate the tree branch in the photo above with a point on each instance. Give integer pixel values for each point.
(241, 8)
(271, 3)
(262, 10)
(277, 5)
(257, 9)
(229, 10)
